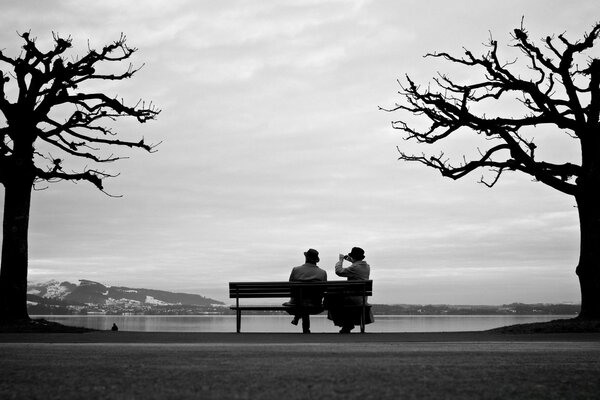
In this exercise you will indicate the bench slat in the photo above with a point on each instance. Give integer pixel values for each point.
(287, 283)
(283, 289)
(260, 308)
(242, 295)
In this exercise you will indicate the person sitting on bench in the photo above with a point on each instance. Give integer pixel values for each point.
(343, 311)
(308, 303)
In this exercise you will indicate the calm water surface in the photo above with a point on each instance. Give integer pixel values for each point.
(281, 323)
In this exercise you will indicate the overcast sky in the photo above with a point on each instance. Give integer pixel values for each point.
(272, 142)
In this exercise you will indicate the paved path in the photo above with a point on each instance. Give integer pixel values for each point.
(129, 365)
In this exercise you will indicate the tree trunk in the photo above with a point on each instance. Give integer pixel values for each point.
(588, 270)
(13, 274)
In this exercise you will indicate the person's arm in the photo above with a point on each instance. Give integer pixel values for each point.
(340, 270)
(346, 272)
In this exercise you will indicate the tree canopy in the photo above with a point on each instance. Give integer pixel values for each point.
(561, 94)
(48, 98)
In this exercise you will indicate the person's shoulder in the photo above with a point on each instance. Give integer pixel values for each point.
(296, 270)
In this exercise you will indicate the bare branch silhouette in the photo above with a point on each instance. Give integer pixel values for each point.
(557, 94)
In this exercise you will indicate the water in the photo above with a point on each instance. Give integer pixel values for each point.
(281, 323)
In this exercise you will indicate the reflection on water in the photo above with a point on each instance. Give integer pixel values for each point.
(281, 323)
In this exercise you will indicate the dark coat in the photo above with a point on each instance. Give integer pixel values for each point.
(307, 273)
(358, 270)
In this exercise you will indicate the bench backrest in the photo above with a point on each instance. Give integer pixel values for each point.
(285, 289)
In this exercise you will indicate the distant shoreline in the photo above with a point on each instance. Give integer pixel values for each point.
(378, 309)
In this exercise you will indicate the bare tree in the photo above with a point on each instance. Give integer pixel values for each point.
(557, 95)
(52, 113)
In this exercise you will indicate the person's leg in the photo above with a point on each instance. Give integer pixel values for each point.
(306, 323)
(296, 319)
(347, 322)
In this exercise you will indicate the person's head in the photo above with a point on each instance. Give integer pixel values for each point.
(312, 256)
(357, 254)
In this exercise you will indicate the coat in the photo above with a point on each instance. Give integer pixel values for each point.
(308, 273)
(358, 270)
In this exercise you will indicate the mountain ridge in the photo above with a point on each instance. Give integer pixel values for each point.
(91, 296)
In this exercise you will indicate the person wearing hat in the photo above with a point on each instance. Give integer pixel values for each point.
(308, 303)
(345, 317)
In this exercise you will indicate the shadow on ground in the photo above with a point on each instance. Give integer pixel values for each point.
(574, 325)
(39, 326)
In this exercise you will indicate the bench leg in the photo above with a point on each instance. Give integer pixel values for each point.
(238, 321)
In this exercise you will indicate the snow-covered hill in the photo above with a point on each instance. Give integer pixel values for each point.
(90, 292)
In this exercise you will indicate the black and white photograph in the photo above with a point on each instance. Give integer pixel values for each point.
(336, 199)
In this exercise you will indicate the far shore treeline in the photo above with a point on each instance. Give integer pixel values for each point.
(37, 308)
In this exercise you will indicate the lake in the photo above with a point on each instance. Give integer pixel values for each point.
(281, 323)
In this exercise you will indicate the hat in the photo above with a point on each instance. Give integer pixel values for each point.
(357, 253)
(312, 254)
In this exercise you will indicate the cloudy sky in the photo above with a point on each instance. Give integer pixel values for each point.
(272, 142)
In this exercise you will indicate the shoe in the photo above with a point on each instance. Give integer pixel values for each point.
(306, 331)
(347, 329)
(295, 321)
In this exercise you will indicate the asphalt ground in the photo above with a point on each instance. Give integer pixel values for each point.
(458, 365)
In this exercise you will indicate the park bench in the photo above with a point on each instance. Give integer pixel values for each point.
(330, 289)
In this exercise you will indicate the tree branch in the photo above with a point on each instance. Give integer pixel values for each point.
(449, 108)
